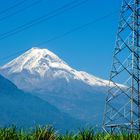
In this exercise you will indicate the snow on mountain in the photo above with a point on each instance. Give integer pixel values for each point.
(42, 64)
(42, 73)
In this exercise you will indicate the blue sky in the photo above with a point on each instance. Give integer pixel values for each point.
(89, 49)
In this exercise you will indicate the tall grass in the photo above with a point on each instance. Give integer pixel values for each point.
(48, 133)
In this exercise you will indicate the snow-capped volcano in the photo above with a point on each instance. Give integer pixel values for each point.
(42, 73)
(38, 65)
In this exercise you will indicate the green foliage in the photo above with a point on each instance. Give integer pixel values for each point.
(44, 133)
(48, 133)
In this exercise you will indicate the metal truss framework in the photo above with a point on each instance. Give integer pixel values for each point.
(122, 111)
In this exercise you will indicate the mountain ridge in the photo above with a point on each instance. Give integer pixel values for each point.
(40, 61)
(25, 110)
(43, 74)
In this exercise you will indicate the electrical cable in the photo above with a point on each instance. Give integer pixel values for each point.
(63, 35)
(20, 10)
(41, 19)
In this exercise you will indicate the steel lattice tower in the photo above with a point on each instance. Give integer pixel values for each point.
(122, 111)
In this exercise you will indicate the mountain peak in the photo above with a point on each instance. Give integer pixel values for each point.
(39, 49)
(40, 68)
(37, 61)
(42, 52)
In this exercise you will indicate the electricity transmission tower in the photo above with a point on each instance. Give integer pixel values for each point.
(122, 111)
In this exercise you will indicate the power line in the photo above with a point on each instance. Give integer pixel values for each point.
(41, 19)
(14, 54)
(20, 10)
(77, 28)
(12, 7)
(63, 35)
